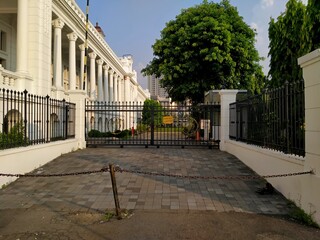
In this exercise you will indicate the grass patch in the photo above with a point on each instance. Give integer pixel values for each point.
(299, 215)
(108, 216)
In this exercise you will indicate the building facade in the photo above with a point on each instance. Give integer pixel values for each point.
(42, 50)
(155, 88)
(44, 84)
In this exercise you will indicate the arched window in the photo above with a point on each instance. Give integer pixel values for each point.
(12, 118)
(55, 130)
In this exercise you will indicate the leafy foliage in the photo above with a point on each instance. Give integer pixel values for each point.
(152, 109)
(206, 47)
(287, 44)
(295, 33)
(313, 23)
(301, 216)
(14, 138)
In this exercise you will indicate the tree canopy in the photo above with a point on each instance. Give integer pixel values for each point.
(206, 47)
(293, 34)
(152, 112)
(313, 23)
(287, 43)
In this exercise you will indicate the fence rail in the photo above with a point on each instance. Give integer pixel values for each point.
(27, 119)
(274, 119)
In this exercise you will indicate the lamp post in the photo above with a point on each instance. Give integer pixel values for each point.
(86, 48)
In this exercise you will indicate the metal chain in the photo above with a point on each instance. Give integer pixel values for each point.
(234, 177)
(105, 169)
(121, 170)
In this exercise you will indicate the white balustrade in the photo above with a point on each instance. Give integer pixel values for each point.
(7, 78)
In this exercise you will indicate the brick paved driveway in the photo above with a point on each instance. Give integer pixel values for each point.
(145, 192)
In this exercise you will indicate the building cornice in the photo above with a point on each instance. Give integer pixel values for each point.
(67, 8)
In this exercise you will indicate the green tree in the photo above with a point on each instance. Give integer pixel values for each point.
(288, 37)
(206, 47)
(152, 108)
(313, 23)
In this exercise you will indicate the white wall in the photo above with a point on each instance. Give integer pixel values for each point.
(25, 159)
(302, 189)
(269, 162)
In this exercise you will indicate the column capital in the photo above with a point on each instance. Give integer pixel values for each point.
(72, 36)
(111, 71)
(58, 23)
(92, 55)
(100, 62)
(82, 47)
(105, 67)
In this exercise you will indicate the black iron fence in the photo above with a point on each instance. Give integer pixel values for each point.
(27, 119)
(135, 123)
(274, 119)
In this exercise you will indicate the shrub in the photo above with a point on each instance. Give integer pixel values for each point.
(94, 133)
(142, 128)
(15, 137)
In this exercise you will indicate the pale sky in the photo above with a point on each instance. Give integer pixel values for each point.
(132, 26)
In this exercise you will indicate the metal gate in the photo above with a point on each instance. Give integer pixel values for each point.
(152, 124)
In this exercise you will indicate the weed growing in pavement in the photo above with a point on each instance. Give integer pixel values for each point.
(124, 213)
(108, 215)
(4, 185)
(301, 216)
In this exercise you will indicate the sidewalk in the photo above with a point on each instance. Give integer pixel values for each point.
(140, 192)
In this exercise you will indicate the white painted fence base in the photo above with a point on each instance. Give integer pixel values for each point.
(303, 190)
(25, 159)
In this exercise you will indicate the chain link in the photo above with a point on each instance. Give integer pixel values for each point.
(234, 177)
(162, 174)
(105, 169)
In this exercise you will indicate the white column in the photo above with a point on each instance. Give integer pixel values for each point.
(57, 55)
(135, 93)
(106, 82)
(111, 72)
(126, 89)
(72, 60)
(120, 89)
(126, 94)
(93, 93)
(22, 37)
(226, 97)
(100, 86)
(82, 53)
(115, 84)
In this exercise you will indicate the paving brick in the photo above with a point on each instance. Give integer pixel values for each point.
(146, 191)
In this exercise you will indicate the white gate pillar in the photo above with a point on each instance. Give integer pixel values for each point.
(310, 196)
(226, 97)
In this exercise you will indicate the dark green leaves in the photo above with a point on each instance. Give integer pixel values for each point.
(293, 34)
(206, 47)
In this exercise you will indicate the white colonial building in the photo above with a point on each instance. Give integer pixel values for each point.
(42, 50)
(44, 83)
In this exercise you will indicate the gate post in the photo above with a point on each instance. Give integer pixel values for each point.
(226, 97)
(310, 195)
(114, 189)
(78, 97)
